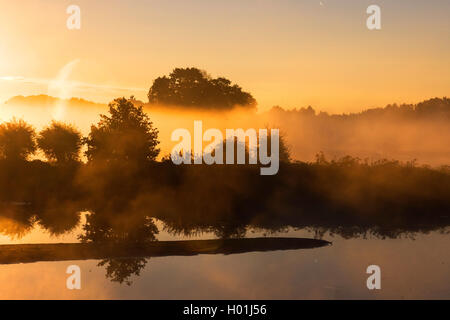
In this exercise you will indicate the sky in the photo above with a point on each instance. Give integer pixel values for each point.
(291, 53)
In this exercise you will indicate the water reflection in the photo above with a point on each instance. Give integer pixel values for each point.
(121, 269)
(125, 202)
(412, 269)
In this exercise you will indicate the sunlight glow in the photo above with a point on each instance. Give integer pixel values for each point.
(61, 88)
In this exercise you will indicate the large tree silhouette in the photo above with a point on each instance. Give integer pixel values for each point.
(127, 134)
(191, 87)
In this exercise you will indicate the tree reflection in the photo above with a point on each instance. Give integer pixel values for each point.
(121, 269)
(131, 231)
(346, 197)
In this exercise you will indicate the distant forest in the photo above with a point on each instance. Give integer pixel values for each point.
(437, 108)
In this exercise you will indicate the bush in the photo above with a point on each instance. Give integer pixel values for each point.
(17, 140)
(60, 142)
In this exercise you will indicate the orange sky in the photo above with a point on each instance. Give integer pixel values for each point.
(288, 53)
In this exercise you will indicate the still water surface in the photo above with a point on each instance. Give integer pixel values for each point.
(411, 269)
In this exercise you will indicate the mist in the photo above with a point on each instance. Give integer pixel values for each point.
(417, 133)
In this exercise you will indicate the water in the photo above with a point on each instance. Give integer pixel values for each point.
(410, 269)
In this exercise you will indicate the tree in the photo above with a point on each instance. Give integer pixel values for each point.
(284, 150)
(192, 87)
(121, 269)
(17, 140)
(127, 134)
(60, 142)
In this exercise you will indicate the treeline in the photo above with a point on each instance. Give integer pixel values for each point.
(126, 135)
(347, 197)
(403, 132)
(124, 188)
(431, 108)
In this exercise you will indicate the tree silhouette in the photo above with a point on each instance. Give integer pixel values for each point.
(60, 142)
(129, 228)
(284, 150)
(17, 140)
(127, 134)
(121, 269)
(192, 87)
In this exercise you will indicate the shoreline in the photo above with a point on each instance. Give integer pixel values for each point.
(28, 253)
